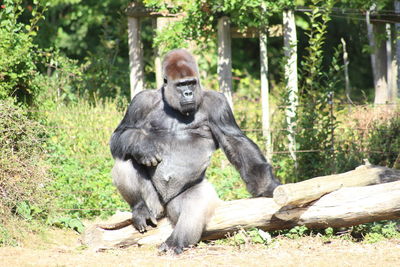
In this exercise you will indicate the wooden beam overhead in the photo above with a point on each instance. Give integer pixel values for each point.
(138, 10)
(253, 32)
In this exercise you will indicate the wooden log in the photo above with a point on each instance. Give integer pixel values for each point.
(345, 207)
(304, 192)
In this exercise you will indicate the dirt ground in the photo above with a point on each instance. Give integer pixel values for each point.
(62, 248)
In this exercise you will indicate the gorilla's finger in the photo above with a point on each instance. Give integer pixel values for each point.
(154, 162)
(153, 220)
(147, 162)
(158, 157)
(178, 250)
(142, 160)
(163, 247)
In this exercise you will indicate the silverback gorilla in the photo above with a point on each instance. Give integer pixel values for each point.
(162, 148)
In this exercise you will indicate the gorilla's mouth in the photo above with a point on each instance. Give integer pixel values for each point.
(188, 107)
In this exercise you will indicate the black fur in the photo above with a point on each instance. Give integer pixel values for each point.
(162, 149)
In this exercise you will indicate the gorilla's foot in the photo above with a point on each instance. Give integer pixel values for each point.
(142, 217)
(165, 248)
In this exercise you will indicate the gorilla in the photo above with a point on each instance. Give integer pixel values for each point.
(163, 146)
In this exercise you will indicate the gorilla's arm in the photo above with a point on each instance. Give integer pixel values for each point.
(243, 153)
(131, 139)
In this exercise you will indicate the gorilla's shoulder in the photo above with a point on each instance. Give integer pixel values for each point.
(145, 100)
(148, 94)
(214, 97)
(147, 97)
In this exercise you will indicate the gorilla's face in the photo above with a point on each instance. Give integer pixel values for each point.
(182, 90)
(183, 95)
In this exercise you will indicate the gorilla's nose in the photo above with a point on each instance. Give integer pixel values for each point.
(188, 94)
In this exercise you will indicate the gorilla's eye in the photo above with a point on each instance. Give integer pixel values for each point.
(186, 83)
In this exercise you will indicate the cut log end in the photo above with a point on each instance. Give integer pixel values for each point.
(280, 195)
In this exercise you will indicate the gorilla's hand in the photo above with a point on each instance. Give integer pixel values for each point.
(272, 183)
(147, 154)
(264, 182)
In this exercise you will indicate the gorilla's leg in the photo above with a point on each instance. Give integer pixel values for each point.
(189, 212)
(136, 188)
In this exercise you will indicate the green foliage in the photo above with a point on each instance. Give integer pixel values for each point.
(81, 162)
(297, 232)
(79, 28)
(384, 143)
(366, 4)
(368, 133)
(225, 178)
(63, 82)
(247, 237)
(314, 120)
(20, 56)
(87, 37)
(377, 231)
(67, 222)
(23, 175)
(80, 57)
(202, 16)
(6, 239)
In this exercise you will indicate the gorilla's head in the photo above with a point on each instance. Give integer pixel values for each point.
(182, 89)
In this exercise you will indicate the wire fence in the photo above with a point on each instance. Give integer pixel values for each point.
(105, 132)
(332, 105)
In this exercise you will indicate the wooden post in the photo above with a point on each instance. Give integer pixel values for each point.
(136, 73)
(346, 71)
(290, 49)
(265, 93)
(397, 25)
(225, 58)
(161, 22)
(389, 57)
(378, 60)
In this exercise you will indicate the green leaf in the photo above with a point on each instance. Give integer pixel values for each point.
(24, 210)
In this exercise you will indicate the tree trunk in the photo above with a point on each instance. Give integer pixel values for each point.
(290, 48)
(136, 73)
(346, 71)
(225, 59)
(378, 59)
(397, 38)
(161, 23)
(342, 208)
(266, 128)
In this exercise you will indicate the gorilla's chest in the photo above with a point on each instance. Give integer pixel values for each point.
(181, 131)
(187, 147)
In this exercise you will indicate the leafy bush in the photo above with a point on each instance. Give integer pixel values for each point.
(19, 55)
(81, 161)
(371, 133)
(225, 178)
(376, 231)
(23, 174)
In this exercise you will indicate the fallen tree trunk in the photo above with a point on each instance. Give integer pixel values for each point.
(345, 207)
(306, 191)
